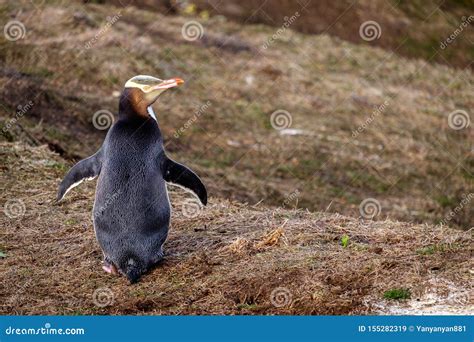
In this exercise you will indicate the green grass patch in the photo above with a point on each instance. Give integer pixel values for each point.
(245, 306)
(397, 294)
(58, 166)
(345, 241)
(446, 201)
(429, 250)
(441, 248)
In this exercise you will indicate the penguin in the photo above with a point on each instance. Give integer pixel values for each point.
(131, 213)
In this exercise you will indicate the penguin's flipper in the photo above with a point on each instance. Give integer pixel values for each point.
(179, 174)
(88, 168)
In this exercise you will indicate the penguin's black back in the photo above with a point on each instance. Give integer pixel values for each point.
(131, 209)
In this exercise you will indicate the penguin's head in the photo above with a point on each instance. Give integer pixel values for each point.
(142, 91)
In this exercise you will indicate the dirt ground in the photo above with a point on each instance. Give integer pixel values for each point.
(230, 258)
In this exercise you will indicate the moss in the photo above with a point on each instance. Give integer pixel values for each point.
(428, 250)
(446, 201)
(357, 176)
(39, 72)
(54, 133)
(58, 166)
(397, 294)
(255, 114)
(246, 306)
(437, 248)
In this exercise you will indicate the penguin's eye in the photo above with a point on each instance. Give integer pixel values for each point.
(146, 87)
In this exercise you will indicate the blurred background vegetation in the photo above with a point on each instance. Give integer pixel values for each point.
(410, 28)
(72, 63)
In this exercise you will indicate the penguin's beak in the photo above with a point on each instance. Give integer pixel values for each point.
(172, 82)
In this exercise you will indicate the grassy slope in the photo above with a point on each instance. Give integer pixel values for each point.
(407, 158)
(414, 28)
(228, 260)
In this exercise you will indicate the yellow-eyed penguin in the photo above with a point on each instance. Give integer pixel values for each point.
(131, 210)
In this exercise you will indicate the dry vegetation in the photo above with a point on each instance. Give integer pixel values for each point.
(231, 258)
(228, 260)
(408, 158)
(414, 28)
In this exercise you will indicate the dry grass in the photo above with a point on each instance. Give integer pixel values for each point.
(413, 28)
(228, 260)
(408, 158)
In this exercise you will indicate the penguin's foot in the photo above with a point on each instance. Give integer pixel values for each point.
(110, 268)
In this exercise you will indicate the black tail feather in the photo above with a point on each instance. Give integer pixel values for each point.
(133, 274)
(132, 268)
